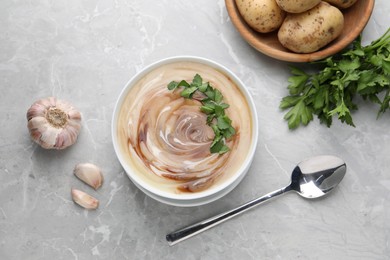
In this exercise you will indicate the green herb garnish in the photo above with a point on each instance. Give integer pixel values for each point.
(213, 107)
(356, 71)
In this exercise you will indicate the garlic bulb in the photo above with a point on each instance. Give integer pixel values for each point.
(84, 200)
(53, 123)
(90, 174)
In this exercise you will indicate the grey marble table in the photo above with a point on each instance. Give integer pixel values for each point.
(85, 52)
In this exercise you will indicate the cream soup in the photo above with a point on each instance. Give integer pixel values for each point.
(165, 138)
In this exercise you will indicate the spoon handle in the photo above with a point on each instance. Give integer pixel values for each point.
(187, 232)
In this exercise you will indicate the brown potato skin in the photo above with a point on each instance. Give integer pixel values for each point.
(311, 30)
(297, 6)
(261, 15)
(341, 3)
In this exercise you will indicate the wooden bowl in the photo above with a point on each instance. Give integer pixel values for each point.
(355, 19)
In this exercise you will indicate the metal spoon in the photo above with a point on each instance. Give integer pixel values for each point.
(311, 178)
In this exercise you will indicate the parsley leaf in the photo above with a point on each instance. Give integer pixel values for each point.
(330, 91)
(213, 107)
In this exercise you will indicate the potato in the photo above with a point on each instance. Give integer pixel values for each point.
(341, 3)
(261, 15)
(294, 6)
(311, 30)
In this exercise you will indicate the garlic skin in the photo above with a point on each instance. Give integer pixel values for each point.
(90, 174)
(84, 200)
(53, 123)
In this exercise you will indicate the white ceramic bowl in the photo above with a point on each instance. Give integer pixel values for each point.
(188, 199)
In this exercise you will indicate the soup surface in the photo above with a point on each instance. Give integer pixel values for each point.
(165, 138)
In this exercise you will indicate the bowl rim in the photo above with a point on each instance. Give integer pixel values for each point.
(248, 34)
(190, 197)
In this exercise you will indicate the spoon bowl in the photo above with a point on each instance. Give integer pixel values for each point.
(316, 177)
(312, 178)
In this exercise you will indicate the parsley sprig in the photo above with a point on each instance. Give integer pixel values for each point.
(213, 106)
(356, 71)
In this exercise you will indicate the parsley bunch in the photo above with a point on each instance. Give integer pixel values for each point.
(213, 106)
(356, 71)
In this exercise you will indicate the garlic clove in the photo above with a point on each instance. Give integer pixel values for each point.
(90, 174)
(84, 200)
(53, 123)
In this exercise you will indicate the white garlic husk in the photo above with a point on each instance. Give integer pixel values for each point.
(53, 123)
(84, 200)
(90, 174)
